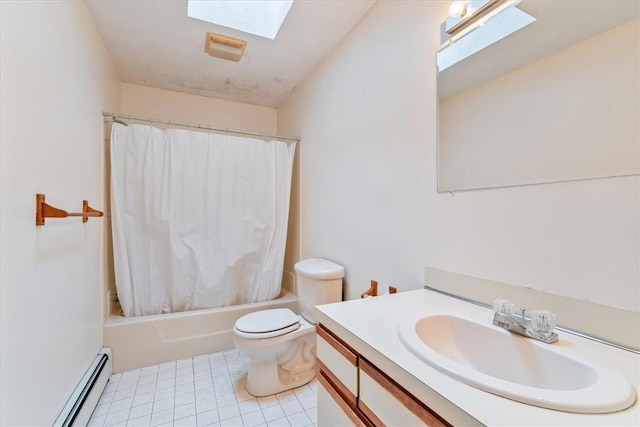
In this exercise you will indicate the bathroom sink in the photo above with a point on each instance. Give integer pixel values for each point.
(554, 376)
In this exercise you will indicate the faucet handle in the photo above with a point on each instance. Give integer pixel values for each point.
(523, 311)
(503, 306)
(543, 322)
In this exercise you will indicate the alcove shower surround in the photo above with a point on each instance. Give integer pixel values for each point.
(199, 221)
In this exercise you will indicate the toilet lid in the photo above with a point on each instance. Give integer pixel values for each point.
(259, 322)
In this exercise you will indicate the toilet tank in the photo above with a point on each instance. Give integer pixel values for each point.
(318, 281)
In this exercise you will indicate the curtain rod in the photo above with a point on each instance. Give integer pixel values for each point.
(115, 116)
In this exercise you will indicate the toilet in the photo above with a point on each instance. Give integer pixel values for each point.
(281, 345)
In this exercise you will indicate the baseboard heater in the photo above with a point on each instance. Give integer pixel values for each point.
(84, 399)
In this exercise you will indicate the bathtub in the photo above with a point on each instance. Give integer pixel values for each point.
(137, 342)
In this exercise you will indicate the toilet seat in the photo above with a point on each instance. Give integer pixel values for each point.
(267, 323)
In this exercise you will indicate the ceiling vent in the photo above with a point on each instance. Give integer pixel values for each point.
(224, 47)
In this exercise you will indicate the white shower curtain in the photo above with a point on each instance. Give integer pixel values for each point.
(199, 220)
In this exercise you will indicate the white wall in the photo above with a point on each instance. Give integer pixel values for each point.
(181, 107)
(367, 118)
(56, 78)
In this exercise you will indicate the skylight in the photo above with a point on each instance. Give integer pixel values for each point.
(262, 18)
(500, 26)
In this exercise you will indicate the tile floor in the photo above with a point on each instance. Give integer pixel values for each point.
(207, 390)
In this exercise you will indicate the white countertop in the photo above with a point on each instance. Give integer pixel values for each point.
(370, 326)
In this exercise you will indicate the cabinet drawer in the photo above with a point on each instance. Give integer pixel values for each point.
(339, 362)
(384, 402)
(335, 411)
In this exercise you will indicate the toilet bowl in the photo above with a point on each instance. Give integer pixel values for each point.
(281, 345)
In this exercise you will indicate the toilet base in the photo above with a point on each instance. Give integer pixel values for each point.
(259, 386)
(280, 363)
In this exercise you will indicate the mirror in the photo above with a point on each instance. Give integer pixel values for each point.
(557, 100)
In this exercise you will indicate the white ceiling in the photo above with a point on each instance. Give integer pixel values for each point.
(154, 43)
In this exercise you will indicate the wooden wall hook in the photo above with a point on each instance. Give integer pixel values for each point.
(372, 291)
(44, 210)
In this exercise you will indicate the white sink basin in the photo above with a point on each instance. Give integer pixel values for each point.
(555, 376)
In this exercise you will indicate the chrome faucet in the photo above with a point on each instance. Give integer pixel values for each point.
(539, 327)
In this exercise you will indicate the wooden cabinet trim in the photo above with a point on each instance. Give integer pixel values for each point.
(409, 401)
(350, 411)
(342, 347)
(370, 414)
(336, 383)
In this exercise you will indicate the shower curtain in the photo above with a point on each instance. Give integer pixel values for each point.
(199, 220)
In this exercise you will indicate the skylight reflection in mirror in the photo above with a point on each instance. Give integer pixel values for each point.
(261, 18)
(498, 27)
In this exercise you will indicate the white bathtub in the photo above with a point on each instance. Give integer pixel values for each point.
(142, 341)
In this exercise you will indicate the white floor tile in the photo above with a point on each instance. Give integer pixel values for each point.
(97, 421)
(273, 413)
(281, 422)
(120, 405)
(184, 388)
(186, 398)
(165, 375)
(127, 383)
(184, 379)
(184, 411)
(207, 390)
(144, 421)
(162, 417)
(313, 415)
(170, 382)
(186, 422)
(229, 411)
(248, 406)
(206, 405)
(169, 366)
(268, 401)
(286, 396)
(202, 383)
(146, 388)
(111, 387)
(299, 420)
(205, 394)
(232, 422)
(163, 404)
(291, 407)
(148, 379)
(226, 399)
(106, 398)
(184, 362)
(101, 410)
(124, 394)
(253, 419)
(206, 418)
(165, 393)
(308, 402)
(116, 417)
(142, 399)
(141, 410)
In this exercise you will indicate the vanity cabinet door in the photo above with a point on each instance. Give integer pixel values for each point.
(333, 410)
(384, 402)
(338, 362)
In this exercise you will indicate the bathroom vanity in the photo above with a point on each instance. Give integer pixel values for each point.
(368, 376)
